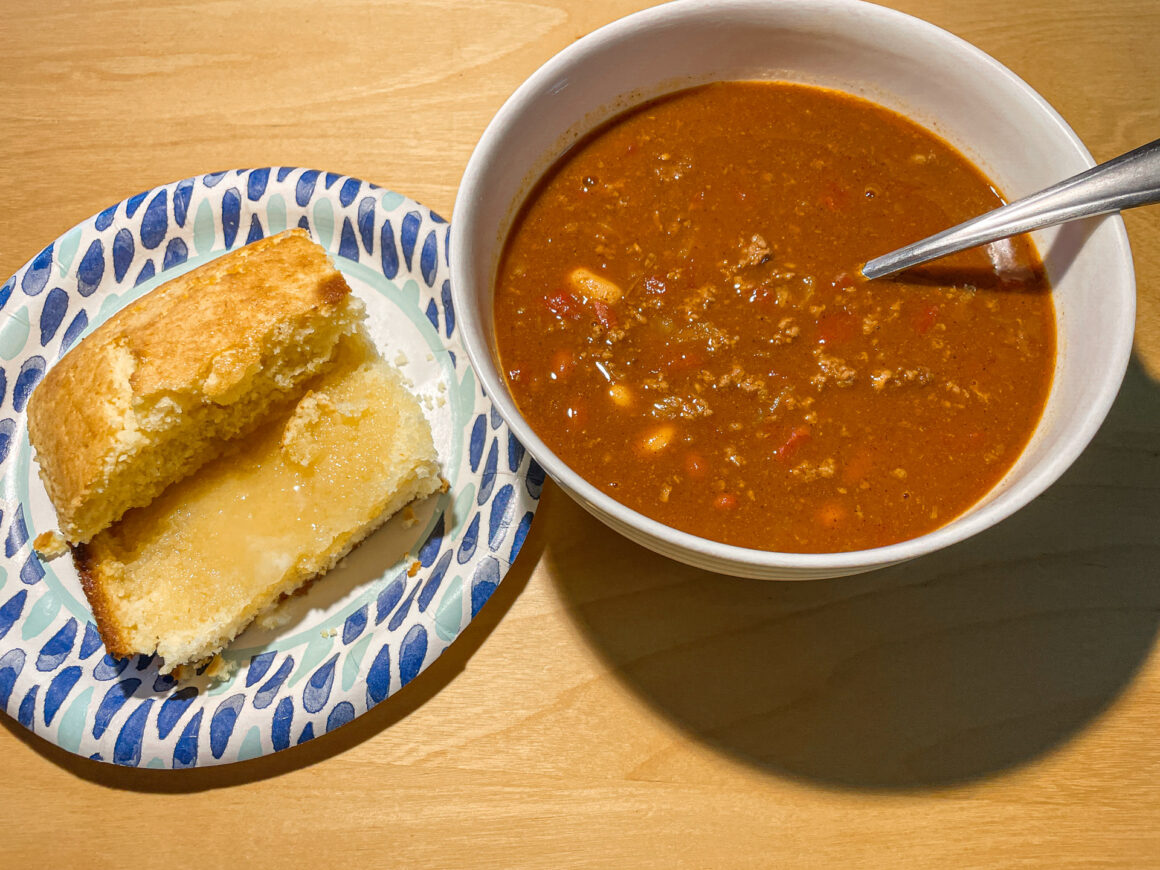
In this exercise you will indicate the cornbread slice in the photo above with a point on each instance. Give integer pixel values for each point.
(184, 575)
(155, 391)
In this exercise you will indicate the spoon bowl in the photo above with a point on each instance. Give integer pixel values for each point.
(1127, 181)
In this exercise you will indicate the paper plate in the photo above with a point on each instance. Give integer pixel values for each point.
(369, 627)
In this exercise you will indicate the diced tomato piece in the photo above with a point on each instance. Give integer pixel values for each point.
(725, 501)
(798, 437)
(835, 327)
(605, 314)
(564, 304)
(562, 363)
(685, 359)
(695, 464)
(925, 320)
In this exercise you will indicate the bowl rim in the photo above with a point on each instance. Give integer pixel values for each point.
(766, 562)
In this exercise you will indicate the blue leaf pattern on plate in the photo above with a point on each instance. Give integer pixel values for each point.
(147, 272)
(409, 234)
(185, 752)
(231, 216)
(176, 253)
(379, 676)
(366, 223)
(305, 189)
(32, 572)
(475, 445)
(181, 196)
(17, 533)
(433, 544)
(108, 668)
(127, 749)
(501, 516)
(470, 538)
(221, 724)
(521, 533)
(123, 251)
(448, 311)
(389, 597)
(36, 277)
(256, 184)
(490, 469)
(280, 726)
(264, 697)
(91, 642)
(317, 691)
(354, 625)
(155, 222)
(342, 713)
(389, 256)
(483, 583)
(348, 192)
(428, 259)
(348, 245)
(73, 332)
(11, 610)
(58, 690)
(112, 703)
(412, 653)
(30, 374)
(173, 708)
(256, 232)
(92, 269)
(259, 665)
(432, 584)
(7, 427)
(27, 713)
(307, 733)
(56, 650)
(11, 664)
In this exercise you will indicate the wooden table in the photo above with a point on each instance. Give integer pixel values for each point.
(996, 705)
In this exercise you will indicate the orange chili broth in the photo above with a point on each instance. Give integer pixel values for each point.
(680, 317)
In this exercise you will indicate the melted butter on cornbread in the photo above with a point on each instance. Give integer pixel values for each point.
(184, 575)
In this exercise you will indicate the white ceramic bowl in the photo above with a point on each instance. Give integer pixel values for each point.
(942, 82)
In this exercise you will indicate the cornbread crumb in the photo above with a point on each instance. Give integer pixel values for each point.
(50, 545)
(414, 569)
(220, 669)
(273, 618)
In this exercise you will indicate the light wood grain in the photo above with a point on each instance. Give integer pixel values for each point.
(993, 706)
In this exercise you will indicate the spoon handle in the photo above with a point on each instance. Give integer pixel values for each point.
(1127, 181)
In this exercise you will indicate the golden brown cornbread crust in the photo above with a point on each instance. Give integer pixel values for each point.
(116, 644)
(151, 394)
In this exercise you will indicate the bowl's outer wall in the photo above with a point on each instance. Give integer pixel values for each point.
(982, 108)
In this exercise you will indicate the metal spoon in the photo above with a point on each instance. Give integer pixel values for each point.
(1127, 181)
